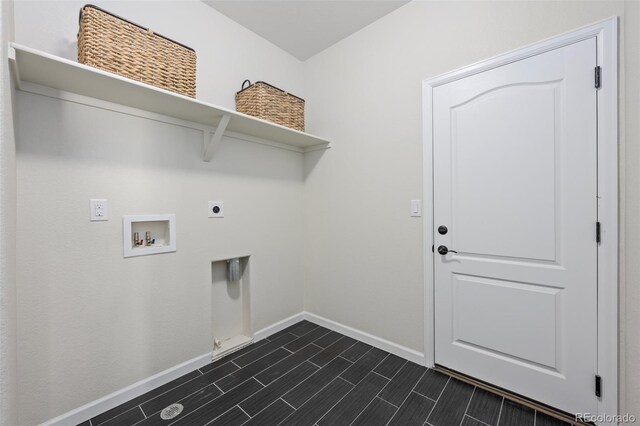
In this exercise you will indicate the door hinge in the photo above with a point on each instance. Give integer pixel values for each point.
(597, 77)
(598, 386)
(598, 233)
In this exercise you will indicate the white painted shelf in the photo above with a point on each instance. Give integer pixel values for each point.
(33, 67)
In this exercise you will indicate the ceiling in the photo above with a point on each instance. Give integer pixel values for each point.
(304, 27)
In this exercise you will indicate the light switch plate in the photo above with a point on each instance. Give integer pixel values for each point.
(416, 208)
(99, 210)
(216, 209)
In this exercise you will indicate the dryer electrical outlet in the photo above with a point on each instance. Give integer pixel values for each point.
(216, 209)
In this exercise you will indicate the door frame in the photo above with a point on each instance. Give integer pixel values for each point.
(606, 33)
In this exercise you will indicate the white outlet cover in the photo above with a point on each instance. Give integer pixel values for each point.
(99, 209)
(213, 212)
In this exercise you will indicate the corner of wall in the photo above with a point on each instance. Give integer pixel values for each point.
(8, 359)
(629, 314)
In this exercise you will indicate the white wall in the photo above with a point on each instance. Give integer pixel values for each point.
(364, 264)
(630, 212)
(8, 373)
(89, 321)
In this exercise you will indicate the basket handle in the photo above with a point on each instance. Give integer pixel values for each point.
(245, 82)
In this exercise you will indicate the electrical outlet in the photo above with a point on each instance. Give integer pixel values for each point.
(99, 210)
(216, 209)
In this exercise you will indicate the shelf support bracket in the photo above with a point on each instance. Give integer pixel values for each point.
(211, 141)
(11, 54)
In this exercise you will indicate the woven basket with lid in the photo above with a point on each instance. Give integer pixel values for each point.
(267, 102)
(114, 44)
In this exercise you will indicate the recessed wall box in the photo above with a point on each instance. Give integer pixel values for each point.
(161, 237)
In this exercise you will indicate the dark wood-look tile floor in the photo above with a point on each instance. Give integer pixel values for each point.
(309, 375)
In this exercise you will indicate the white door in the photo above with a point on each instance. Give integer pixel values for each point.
(515, 185)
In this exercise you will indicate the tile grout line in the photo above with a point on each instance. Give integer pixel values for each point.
(393, 377)
(376, 396)
(311, 342)
(386, 378)
(390, 403)
(500, 413)
(405, 398)
(424, 396)
(271, 341)
(294, 408)
(363, 354)
(290, 330)
(258, 359)
(363, 410)
(124, 412)
(479, 421)
(311, 362)
(348, 360)
(238, 404)
(376, 366)
(437, 400)
(337, 402)
(408, 395)
(394, 374)
(468, 404)
(320, 368)
(196, 390)
(218, 416)
(190, 394)
(278, 378)
(187, 382)
(355, 342)
(145, 401)
(145, 416)
(302, 335)
(314, 395)
(283, 359)
(258, 413)
(201, 374)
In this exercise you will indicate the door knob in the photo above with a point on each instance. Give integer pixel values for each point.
(442, 230)
(444, 250)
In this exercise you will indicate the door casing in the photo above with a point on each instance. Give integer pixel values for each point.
(606, 33)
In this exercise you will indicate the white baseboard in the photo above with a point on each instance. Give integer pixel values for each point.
(116, 398)
(370, 339)
(280, 325)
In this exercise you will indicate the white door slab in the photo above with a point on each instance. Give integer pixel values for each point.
(515, 183)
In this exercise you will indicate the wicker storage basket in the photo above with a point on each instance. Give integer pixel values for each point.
(265, 101)
(116, 45)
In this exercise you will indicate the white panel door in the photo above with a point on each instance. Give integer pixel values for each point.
(515, 185)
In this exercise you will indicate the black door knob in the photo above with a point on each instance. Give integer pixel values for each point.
(444, 250)
(442, 229)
